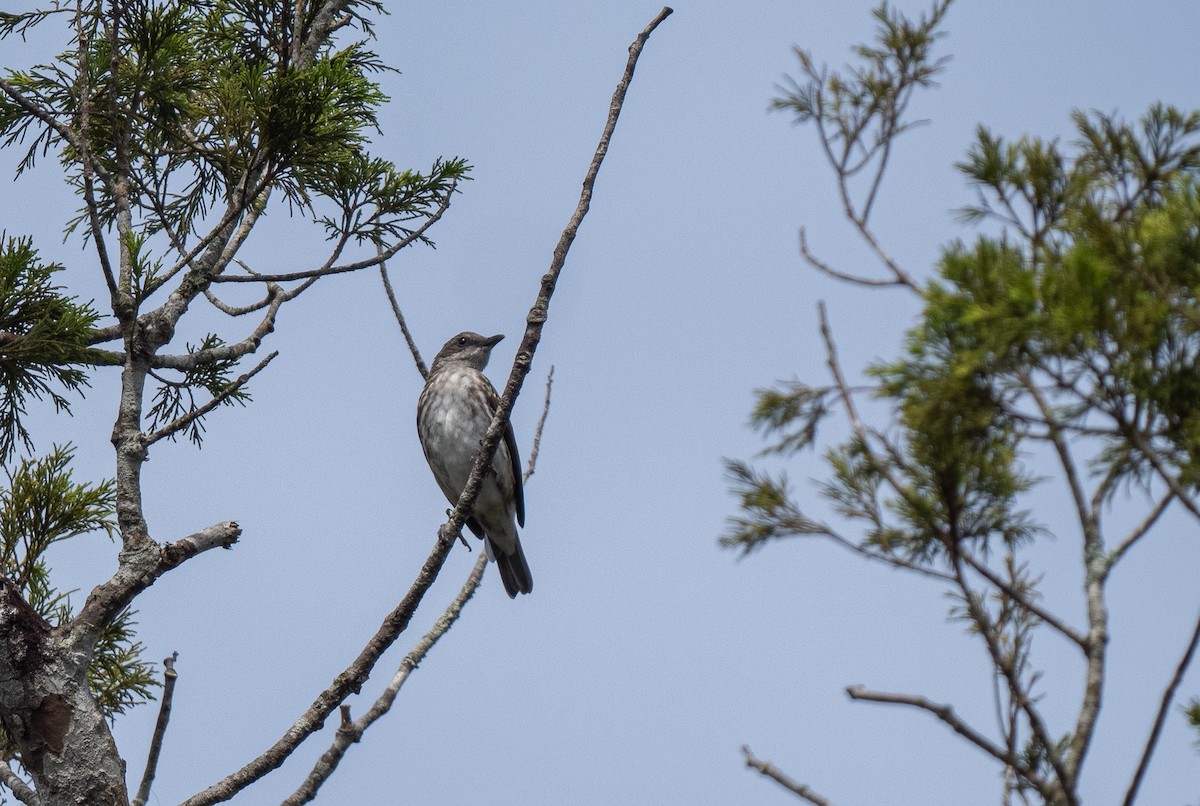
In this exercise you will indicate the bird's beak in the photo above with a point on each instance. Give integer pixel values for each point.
(493, 341)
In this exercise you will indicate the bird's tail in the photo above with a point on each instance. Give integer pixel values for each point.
(514, 569)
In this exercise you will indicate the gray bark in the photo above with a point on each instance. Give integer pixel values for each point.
(48, 711)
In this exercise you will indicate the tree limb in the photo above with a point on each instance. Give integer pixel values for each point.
(20, 790)
(397, 621)
(351, 731)
(946, 714)
(1018, 692)
(1023, 601)
(1138, 533)
(769, 770)
(109, 598)
(1161, 717)
(412, 344)
(537, 433)
(160, 731)
(826, 269)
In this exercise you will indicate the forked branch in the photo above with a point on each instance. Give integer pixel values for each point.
(351, 680)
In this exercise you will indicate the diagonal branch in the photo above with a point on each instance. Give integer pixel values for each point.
(536, 317)
(412, 344)
(21, 790)
(828, 270)
(1019, 693)
(397, 621)
(109, 598)
(1161, 717)
(769, 770)
(537, 432)
(946, 714)
(351, 731)
(1138, 533)
(350, 681)
(1023, 600)
(160, 731)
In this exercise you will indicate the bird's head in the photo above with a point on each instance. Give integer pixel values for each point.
(467, 348)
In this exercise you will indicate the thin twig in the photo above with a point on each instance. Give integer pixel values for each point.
(1138, 533)
(240, 310)
(886, 559)
(771, 771)
(160, 730)
(825, 268)
(946, 714)
(1161, 717)
(537, 434)
(412, 344)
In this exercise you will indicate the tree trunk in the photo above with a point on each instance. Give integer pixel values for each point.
(49, 714)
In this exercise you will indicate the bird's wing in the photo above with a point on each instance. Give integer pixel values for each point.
(510, 442)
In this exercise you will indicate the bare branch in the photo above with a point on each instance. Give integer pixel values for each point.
(397, 621)
(771, 771)
(1138, 533)
(946, 714)
(835, 369)
(21, 790)
(195, 414)
(108, 599)
(412, 344)
(536, 317)
(349, 682)
(537, 433)
(242, 310)
(1161, 717)
(826, 269)
(351, 731)
(160, 731)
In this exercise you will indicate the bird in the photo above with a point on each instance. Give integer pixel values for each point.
(453, 414)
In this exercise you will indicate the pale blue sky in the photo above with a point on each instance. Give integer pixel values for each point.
(646, 655)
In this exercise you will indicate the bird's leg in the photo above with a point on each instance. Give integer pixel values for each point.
(461, 539)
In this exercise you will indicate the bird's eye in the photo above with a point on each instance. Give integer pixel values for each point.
(462, 341)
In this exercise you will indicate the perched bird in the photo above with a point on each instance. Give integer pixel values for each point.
(453, 414)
